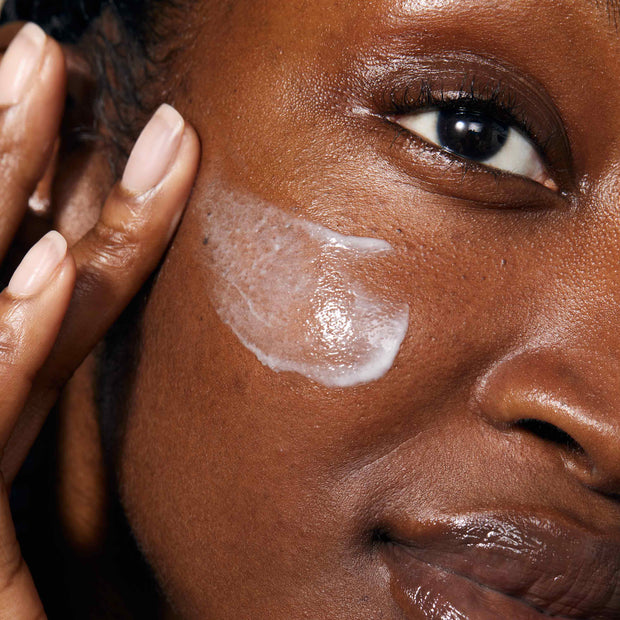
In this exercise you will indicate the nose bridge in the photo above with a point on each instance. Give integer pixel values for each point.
(570, 398)
(587, 250)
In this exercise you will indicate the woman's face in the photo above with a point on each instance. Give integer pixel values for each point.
(476, 476)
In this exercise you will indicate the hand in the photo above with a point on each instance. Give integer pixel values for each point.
(61, 301)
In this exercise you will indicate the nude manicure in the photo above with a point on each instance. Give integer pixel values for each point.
(20, 63)
(154, 151)
(37, 267)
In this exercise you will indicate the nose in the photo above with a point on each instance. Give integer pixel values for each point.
(570, 404)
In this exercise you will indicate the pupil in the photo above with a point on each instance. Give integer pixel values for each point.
(471, 134)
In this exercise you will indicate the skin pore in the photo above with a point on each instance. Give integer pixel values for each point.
(256, 494)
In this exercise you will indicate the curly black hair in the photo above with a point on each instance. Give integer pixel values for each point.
(123, 65)
(67, 20)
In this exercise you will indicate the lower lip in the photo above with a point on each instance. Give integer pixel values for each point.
(427, 592)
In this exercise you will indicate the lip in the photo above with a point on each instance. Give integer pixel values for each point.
(488, 565)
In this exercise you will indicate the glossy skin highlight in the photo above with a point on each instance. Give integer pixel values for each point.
(279, 496)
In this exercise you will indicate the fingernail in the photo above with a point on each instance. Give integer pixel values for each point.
(21, 60)
(154, 151)
(38, 265)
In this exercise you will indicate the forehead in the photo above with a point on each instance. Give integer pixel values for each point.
(238, 27)
(335, 11)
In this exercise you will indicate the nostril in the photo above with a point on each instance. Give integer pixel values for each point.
(550, 433)
(559, 407)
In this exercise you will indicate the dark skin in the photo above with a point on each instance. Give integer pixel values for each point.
(277, 495)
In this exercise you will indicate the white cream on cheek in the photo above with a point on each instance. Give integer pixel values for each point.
(294, 294)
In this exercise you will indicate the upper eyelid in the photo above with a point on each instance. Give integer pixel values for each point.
(408, 83)
(435, 80)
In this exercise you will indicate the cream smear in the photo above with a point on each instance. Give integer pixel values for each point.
(294, 293)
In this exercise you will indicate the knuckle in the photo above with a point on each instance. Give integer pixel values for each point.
(115, 248)
(11, 340)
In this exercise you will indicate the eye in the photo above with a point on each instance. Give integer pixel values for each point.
(481, 138)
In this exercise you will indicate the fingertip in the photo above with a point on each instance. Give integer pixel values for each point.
(144, 194)
(32, 59)
(37, 268)
(154, 151)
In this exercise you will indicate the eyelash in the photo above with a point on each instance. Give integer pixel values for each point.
(494, 101)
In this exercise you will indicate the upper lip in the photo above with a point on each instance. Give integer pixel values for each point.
(552, 564)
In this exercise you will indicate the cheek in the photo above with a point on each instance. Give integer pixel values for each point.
(227, 471)
(230, 468)
(299, 296)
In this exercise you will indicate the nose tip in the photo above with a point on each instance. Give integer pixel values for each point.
(574, 410)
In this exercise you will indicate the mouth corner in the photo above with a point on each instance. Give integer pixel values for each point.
(492, 565)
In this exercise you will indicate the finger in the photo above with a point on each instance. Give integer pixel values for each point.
(18, 596)
(32, 308)
(32, 95)
(115, 258)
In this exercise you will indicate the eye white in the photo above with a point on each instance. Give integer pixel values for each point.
(517, 155)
